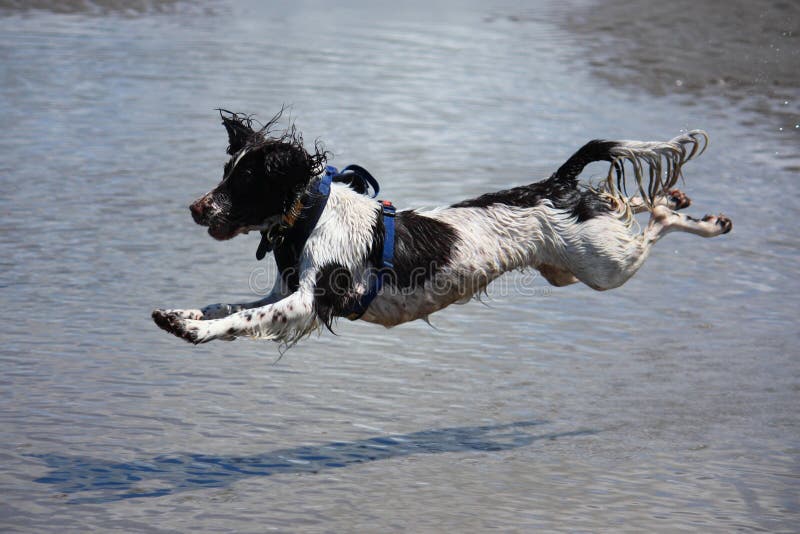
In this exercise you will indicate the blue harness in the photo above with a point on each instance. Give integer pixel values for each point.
(290, 236)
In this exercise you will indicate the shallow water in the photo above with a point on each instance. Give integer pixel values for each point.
(670, 403)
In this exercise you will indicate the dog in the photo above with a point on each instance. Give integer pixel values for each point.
(357, 258)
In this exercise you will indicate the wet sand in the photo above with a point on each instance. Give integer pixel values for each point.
(750, 51)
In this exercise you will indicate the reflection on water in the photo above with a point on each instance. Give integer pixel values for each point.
(165, 475)
(689, 372)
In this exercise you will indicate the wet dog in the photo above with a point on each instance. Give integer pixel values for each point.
(570, 232)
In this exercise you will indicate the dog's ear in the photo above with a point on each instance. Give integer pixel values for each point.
(239, 129)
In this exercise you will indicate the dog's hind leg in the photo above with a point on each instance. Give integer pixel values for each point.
(670, 221)
(674, 200)
(556, 276)
(603, 253)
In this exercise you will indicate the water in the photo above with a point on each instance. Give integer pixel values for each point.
(670, 403)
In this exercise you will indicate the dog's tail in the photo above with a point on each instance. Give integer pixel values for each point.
(661, 161)
(595, 150)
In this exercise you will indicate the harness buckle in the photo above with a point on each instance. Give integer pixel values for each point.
(388, 208)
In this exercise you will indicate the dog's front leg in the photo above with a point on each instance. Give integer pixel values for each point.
(163, 318)
(280, 290)
(286, 320)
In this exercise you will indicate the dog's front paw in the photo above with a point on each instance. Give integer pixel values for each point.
(164, 318)
(183, 314)
(193, 331)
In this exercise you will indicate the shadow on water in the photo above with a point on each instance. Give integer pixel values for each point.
(165, 475)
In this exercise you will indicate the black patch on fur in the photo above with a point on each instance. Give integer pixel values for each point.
(583, 205)
(422, 246)
(290, 246)
(595, 150)
(286, 259)
(561, 189)
(273, 172)
(334, 294)
(590, 205)
(239, 128)
(353, 181)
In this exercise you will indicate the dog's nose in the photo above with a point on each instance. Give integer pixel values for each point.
(198, 211)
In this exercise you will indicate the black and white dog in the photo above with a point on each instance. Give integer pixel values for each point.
(569, 232)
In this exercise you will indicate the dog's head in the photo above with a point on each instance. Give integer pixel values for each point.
(265, 175)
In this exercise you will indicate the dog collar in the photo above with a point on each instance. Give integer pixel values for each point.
(308, 208)
(299, 221)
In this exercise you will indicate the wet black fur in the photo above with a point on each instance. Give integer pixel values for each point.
(268, 179)
(561, 189)
(596, 150)
(288, 251)
(422, 247)
(334, 293)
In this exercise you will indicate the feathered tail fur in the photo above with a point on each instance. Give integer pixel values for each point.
(656, 166)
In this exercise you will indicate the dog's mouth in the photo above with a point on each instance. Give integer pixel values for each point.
(223, 233)
(224, 230)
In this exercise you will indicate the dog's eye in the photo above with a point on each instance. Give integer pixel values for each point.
(242, 180)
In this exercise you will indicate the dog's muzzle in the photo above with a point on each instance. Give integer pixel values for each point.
(201, 210)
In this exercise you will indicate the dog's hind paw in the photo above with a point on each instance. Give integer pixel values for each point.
(678, 200)
(724, 223)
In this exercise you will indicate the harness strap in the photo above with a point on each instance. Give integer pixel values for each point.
(359, 178)
(299, 222)
(377, 278)
(289, 237)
